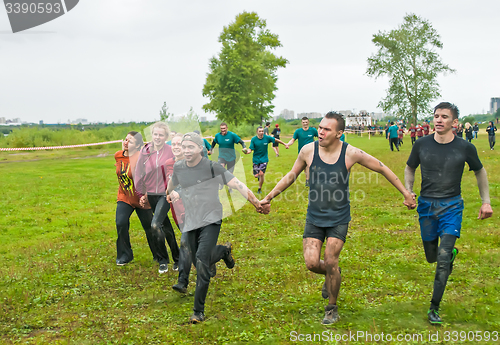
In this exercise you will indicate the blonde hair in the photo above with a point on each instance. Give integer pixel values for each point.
(161, 125)
(467, 125)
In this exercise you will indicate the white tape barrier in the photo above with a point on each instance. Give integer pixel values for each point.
(56, 147)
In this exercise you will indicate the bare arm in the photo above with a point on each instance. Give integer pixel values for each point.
(482, 183)
(374, 164)
(247, 194)
(409, 179)
(281, 142)
(291, 141)
(299, 165)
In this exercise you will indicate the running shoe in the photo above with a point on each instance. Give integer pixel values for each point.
(180, 288)
(228, 258)
(121, 263)
(331, 315)
(197, 317)
(175, 267)
(259, 191)
(163, 268)
(434, 318)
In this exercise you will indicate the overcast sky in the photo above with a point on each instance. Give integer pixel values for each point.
(119, 60)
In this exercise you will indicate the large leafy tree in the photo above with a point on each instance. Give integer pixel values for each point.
(407, 55)
(242, 78)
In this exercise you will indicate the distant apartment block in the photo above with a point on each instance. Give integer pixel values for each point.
(2, 120)
(494, 105)
(287, 114)
(203, 119)
(312, 115)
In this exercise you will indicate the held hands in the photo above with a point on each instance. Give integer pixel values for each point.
(286, 146)
(143, 200)
(410, 201)
(246, 151)
(485, 211)
(173, 197)
(264, 206)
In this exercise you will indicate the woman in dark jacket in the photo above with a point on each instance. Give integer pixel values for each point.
(469, 133)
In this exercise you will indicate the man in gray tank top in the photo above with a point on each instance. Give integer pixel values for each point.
(328, 214)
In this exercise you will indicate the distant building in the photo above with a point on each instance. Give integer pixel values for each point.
(40, 122)
(345, 112)
(203, 119)
(362, 119)
(82, 121)
(312, 115)
(287, 114)
(2, 120)
(494, 105)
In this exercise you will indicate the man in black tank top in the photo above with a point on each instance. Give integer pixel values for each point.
(329, 161)
(442, 157)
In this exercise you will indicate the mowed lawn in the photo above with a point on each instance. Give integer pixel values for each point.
(59, 283)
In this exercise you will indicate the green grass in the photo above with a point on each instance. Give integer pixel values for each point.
(59, 283)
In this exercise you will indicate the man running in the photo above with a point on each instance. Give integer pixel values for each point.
(413, 133)
(401, 133)
(226, 141)
(258, 145)
(199, 179)
(442, 157)
(426, 128)
(328, 213)
(420, 131)
(392, 135)
(266, 129)
(304, 135)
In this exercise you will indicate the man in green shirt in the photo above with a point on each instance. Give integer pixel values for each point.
(258, 145)
(392, 135)
(226, 141)
(304, 135)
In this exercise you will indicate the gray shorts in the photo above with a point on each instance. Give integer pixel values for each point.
(320, 233)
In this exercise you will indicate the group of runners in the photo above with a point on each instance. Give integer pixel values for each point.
(189, 183)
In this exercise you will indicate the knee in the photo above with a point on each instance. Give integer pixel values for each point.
(122, 223)
(332, 263)
(312, 265)
(156, 228)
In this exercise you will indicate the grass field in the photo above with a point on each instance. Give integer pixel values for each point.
(59, 283)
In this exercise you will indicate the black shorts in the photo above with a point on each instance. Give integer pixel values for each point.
(276, 144)
(259, 167)
(320, 233)
(229, 165)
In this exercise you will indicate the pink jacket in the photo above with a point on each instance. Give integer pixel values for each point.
(151, 171)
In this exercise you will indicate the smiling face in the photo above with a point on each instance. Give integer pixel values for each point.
(327, 132)
(177, 147)
(191, 151)
(223, 130)
(443, 121)
(260, 133)
(305, 124)
(159, 137)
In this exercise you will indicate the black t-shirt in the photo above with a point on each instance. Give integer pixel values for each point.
(199, 191)
(276, 133)
(442, 165)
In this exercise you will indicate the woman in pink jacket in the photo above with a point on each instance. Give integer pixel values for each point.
(151, 180)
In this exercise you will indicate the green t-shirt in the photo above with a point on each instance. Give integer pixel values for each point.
(226, 145)
(305, 137)
(392, 132)
(259, 148)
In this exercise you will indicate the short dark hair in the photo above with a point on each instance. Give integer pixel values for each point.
(447, 105)
(337, 116)
(223, 124)
(258, 128)
(305, 118)
(392, 122)
(138, 138)
(268, 123)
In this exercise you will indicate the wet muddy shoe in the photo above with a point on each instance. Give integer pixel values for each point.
(331, 315)
(175, 267)
(197, 317)
(228, 258)
(180, 288)
(434, 318)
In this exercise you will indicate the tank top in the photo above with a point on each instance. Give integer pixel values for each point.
(328, 191)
